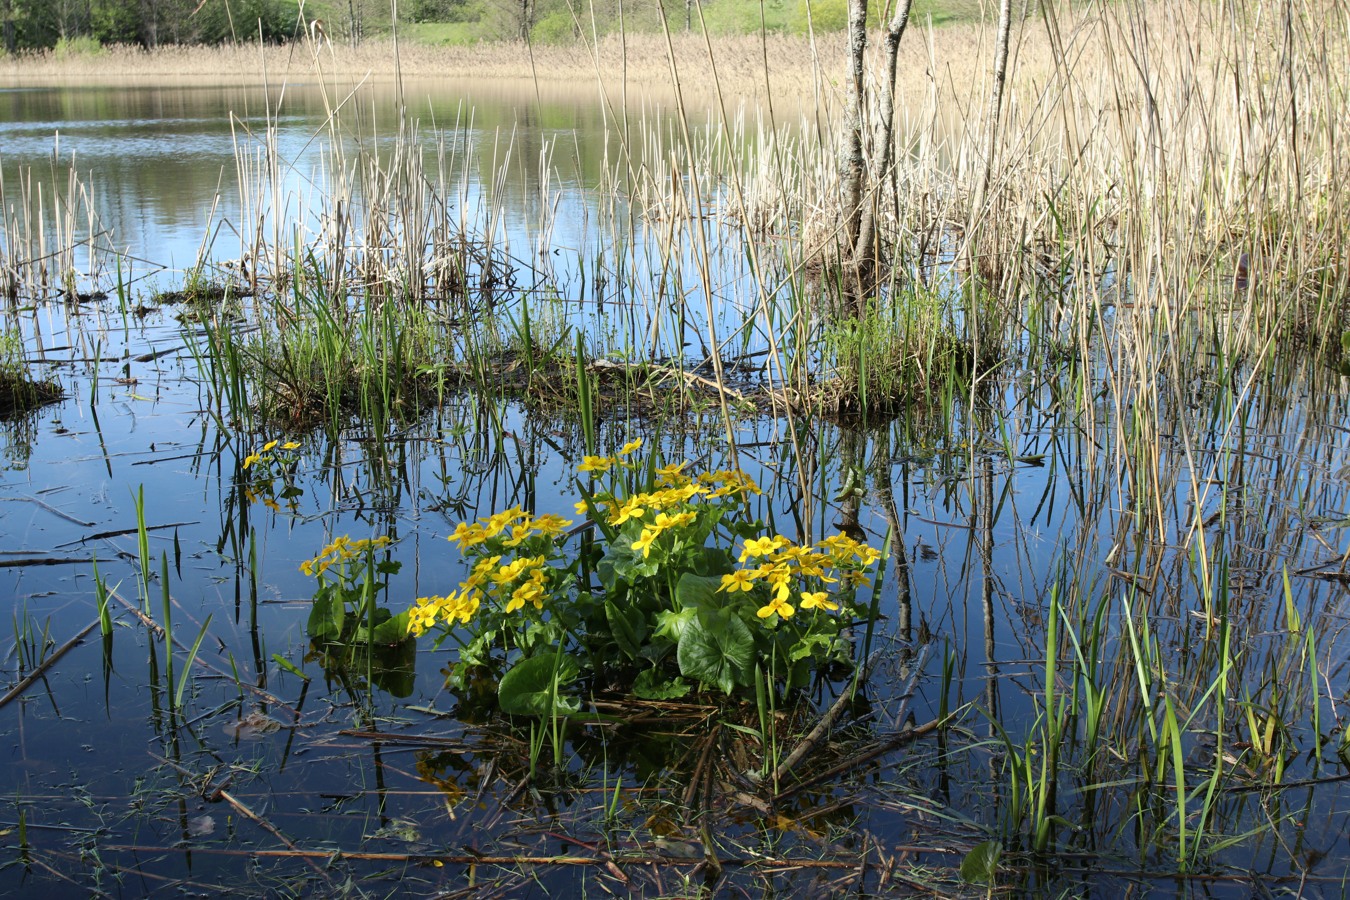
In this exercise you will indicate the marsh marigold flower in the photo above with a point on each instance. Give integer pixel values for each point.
(596, 464)
(776, 605)
(740, 580)
(818, 600)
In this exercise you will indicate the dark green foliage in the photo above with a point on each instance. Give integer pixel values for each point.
(244, 20)
(42, 24)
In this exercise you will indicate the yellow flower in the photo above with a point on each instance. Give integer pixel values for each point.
(596, 464)
(679, 520)
(633, 508)
(270, 446)
(529, 592)
(776, 605)
(673, 474)
(550, 524)
(467, 607)
(509, 572)
(460, 606)
(422, 616)
(485, 565)
(644, 541)
(857, 579)
(736, 482)
(518, 534)
(251, 459)
(762, 546)
(498, 521)
(818, 600)
(290, 445)
(466, 534)
(740, 580)
(630, 447)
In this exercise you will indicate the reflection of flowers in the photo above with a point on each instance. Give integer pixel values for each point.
(342, 550)
(435, 770)
(265, 466)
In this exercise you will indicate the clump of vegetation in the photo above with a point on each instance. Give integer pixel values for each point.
(322, 358)
(655, 599)
(891, 358)
(19, 392)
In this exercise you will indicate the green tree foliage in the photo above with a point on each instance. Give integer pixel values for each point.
(41, 24)
(244, 20)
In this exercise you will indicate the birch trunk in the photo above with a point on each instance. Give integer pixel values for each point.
(854, 161)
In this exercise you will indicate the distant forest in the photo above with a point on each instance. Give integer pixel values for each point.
(81, 26)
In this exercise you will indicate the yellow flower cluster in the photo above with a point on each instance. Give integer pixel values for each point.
(779, 563)
(680, 489)
(341, 550)
(258, 456)
(526, 579)
(456, 606)
(521, 525)
(605, 463)
(663, 522)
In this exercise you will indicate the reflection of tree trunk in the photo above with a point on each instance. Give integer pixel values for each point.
(984, 536)
(850, 501)
(886, 499)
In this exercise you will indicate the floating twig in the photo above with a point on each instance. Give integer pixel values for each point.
(53, 510)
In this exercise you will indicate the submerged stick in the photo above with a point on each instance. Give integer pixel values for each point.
(272, 830)
(893, 742)
(25, 561)
(46, 664)
(752, 862)
(822, 730)
(53, 510)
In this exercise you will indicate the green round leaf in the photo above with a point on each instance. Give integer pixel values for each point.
(721, 655)
(534, 686)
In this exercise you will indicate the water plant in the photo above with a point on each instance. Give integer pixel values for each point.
(671, 586)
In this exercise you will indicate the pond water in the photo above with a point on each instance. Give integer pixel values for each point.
(296, 769)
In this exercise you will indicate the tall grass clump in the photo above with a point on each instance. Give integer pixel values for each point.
(20, 392)
(892, 358)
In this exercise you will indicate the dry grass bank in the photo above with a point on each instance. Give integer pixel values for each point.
(796, 68)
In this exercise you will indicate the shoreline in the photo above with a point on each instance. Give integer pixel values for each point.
(639, 62)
